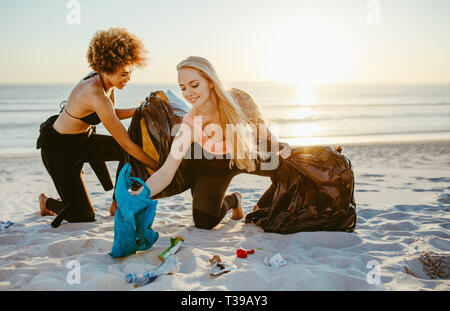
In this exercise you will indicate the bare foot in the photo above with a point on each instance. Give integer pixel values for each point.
(255, 208)
(238, 213)
(113, 207)
(44, 211)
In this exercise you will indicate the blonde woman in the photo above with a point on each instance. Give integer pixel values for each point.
(219, 124)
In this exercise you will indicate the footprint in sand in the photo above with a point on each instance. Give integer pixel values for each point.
(368, 213)
(70, 247)
(444, 198)
(395, 215)
(414, 208)
(445, 225)
(398, 226)
(426, 260)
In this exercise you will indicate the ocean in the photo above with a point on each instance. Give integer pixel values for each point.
(325, 115)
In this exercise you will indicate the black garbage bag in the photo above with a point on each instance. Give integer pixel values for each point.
(151, 128)
(312, 190)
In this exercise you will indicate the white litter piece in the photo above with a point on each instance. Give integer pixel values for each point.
(275, 261)
(218, 267)
(170, 266)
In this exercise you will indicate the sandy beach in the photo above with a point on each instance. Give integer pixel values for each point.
(402, 193)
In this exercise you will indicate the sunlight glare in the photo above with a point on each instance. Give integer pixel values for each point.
(305, 54)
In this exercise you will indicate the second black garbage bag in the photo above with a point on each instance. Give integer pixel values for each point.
(151, 128)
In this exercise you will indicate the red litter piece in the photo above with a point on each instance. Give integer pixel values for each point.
(241, 253)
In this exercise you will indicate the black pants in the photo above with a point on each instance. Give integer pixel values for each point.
(211, 178)
(63, 156)
(209, 203)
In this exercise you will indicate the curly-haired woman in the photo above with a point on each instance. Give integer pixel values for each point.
(69, 141)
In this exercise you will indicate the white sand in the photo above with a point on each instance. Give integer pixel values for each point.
(403, 203)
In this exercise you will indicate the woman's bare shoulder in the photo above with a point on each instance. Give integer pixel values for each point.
(91, 95)
(243, 98)
(238, 93)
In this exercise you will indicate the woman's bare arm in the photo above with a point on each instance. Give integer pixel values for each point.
(254, 115)
(104, 108)
(162, 177)
(265, 133)
(123, 114)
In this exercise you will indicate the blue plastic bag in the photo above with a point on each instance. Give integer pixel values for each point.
(134, 217)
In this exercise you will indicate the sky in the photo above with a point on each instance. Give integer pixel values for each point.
(291, 41)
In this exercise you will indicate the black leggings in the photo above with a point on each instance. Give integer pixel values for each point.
(209, 203)
(63, 156)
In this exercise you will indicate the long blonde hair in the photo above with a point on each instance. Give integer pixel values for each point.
(244, 151)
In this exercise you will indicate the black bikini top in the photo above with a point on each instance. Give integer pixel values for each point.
(93, 118)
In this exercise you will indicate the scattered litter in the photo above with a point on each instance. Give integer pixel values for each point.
(218, 268)
(169, 266)
(242, 253)
(275, 261)
(175, 244)
(5, 225)
(216, 258)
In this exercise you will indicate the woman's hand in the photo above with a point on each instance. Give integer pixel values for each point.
(123, 114)
(133, 193)
(284, 148)
(160, 179)
(285, 151)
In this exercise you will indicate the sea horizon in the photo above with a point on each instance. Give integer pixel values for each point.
(328, 114)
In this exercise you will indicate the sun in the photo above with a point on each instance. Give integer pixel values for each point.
(305, 54)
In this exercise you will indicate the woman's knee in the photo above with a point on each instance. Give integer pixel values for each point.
(203, 220)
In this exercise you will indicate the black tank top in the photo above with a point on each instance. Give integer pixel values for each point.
(93, 118)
